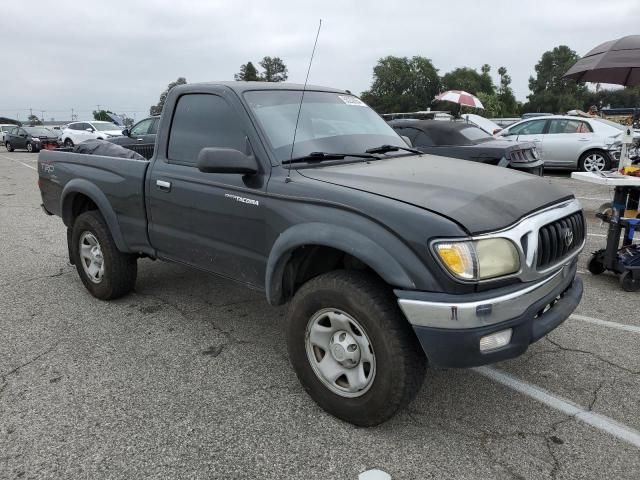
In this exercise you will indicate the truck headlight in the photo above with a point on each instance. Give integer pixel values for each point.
(479, 259)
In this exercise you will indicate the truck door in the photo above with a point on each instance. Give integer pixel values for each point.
(209, 220)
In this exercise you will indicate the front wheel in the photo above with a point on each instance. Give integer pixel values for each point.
(352, 349)
(31, 148)
(105, 271)
(594, 161)
(68, 143)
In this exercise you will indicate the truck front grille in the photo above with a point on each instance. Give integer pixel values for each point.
(560, 238)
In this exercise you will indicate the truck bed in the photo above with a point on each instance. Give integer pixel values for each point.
(118, 183)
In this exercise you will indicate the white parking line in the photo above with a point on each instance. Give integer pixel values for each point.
(596, 235)
(18, 161)
(594, 198)
(606, 323)
(596, 420)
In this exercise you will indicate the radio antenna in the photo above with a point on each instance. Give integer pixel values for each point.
(304, 88)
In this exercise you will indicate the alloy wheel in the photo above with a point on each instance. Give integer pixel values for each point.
(594, 162)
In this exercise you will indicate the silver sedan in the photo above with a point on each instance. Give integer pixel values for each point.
(586, 144)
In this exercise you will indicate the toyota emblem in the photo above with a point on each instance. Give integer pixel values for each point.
(568, 237)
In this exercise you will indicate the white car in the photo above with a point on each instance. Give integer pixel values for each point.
(569, 142)
(4, 127)
(77, 132)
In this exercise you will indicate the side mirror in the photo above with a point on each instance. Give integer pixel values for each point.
(90, 130)
(126, 132)
(407, 140)
(226, 160)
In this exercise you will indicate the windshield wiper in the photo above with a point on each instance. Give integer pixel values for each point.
(322, 156)
(392, 148)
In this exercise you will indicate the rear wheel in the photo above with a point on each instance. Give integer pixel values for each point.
(628, 283)
(352, 349)
(8, 146)
(594, 161)
(105, 271)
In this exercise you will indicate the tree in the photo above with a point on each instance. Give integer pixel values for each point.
(469, 80)
(34, 120)
(274, 70)
(401, 84)
(248, 73)
(549, 91)
(509, 104)
(618, 98)
(102, 115)
(157, 109)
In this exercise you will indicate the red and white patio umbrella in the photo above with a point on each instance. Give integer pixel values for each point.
(461, 98)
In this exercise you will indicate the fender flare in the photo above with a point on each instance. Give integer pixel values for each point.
(360, 246)
(84, 187)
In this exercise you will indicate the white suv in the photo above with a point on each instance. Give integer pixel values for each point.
(77, 132)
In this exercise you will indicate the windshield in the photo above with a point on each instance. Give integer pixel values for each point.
(475, 134)
(329, 122)
(38, 131)
(107, 126)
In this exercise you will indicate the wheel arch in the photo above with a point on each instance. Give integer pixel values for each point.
(307, 250)
(80, 195)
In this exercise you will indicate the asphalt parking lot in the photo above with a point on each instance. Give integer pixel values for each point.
(189, 378)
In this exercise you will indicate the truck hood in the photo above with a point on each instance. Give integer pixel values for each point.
(479, 197)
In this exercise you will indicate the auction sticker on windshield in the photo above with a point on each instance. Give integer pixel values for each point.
(350, 100)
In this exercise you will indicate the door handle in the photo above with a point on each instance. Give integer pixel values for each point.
(583, 139)
(536, 140)
(164, 186)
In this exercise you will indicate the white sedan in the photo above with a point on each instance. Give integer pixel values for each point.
(77, 132)
(586, 144)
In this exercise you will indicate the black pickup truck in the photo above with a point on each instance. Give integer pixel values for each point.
(391, 260)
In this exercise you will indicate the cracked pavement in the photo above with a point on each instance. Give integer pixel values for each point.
(188, 377)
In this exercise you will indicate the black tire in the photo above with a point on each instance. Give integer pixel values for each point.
(120, 269)
(399, 359)
(68, 143)
(628, 283)
(596, 264)
(599, 153)
(8, 146)
(31, 148)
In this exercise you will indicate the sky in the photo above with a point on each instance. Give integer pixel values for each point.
(121, 55)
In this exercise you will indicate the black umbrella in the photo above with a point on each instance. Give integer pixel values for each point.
(615, 61)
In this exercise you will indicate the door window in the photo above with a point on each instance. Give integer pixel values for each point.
(153, 129)
(565, 125)
(200, 121)
(141, 128)
(534, 127)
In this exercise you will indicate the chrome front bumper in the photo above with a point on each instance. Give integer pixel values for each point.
(473, 311)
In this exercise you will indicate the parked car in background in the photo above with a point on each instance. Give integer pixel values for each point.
(468, 142)
(141, 138)
(5, 127)
(77, 132)
(32, 139)
(563, 141)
